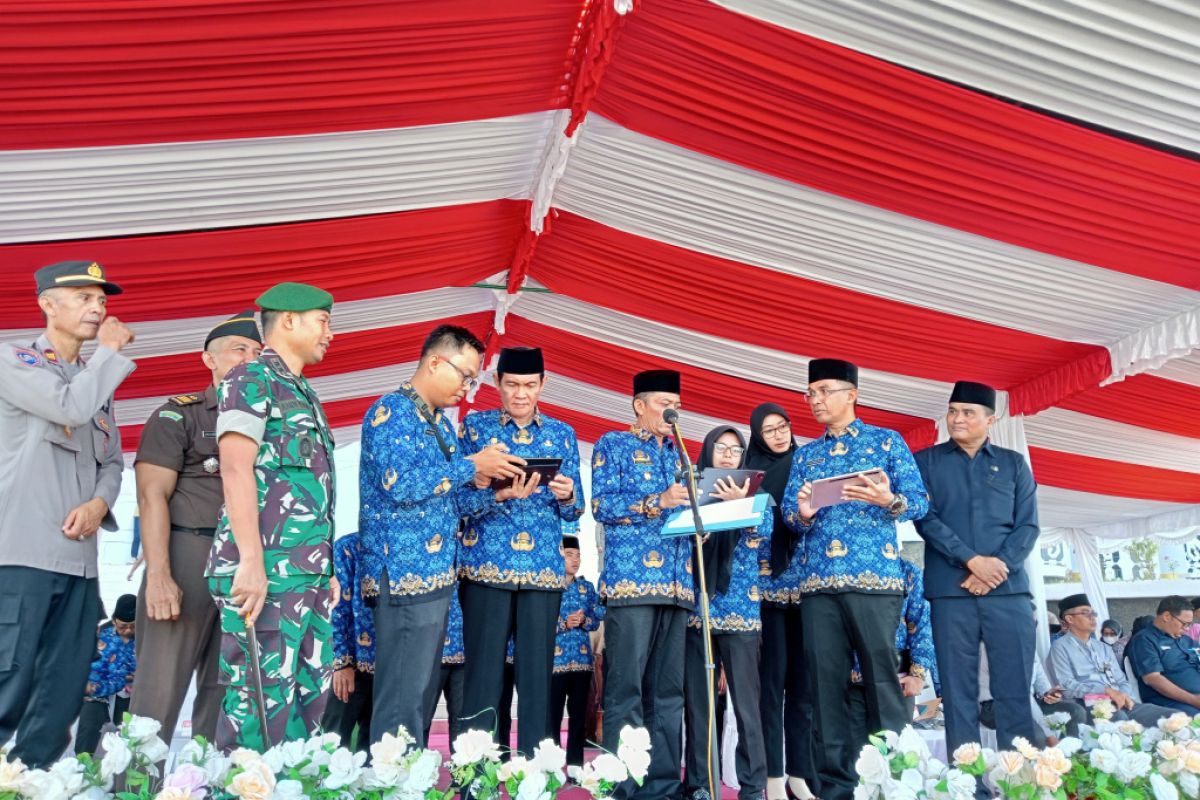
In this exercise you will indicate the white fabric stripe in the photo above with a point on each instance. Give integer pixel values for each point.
(152, 188)
(165, 337)
(1066, 508)
(1184, 370)
(886, 390)
(1156, 345)
(1072, 432)
(1125, 64)
(654, 189)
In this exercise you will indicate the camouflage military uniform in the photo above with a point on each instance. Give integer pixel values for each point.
(265, 401)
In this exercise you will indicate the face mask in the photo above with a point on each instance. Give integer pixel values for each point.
(1109, 639)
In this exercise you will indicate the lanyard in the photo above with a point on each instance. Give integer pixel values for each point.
(423, 409)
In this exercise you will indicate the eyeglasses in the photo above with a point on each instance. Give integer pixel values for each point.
(782, 427)
(1089, 614)
(731, 449)
(813, 394)
(468, 380)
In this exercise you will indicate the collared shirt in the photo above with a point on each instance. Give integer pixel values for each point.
(352, 622)
(453, 651)
(412, 496)
(1084, 668)
(181, 435)
(516, 545)
(113, 665)
(630, 470)
(986, 505)
(736, 610)
(277, 409)
(852, 546)
(59, 447)
(914, 634)
(1176, 659)
(573, 646)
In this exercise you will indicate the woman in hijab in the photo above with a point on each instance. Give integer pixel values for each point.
(786, 703)
(730, 560)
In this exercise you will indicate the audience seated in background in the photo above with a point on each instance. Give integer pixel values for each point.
(1166, 660)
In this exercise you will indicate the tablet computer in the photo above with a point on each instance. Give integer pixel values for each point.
(546, 467)
(709, 477)
(828, 491)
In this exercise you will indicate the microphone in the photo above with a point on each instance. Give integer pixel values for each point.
(670, 416)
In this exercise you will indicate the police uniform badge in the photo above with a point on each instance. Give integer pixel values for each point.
(29, 358)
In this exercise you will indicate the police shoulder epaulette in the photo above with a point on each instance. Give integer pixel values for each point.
(185, 399)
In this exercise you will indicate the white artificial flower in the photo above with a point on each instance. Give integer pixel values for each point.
(92, 793)
(1046, 777)
(515, 767)
(872, 766)
(326, 741)
(634, 738)
(423, 772)
(533, 787)
(389, 749)
(589, 781)
(174, 793)
(911, 742)
(1058, 719)
(117, 755)
(1129, 727)
(11, 773)
(71, 773)
(960, 784)
(902, 789)
(289, 790)
(273, 759)
(866, 792)
(1111, 742)
(293, 753)
(474, 746)
(1055, 759)
(609, 768)
(1174, 723)
(1163, 788)
(1070, 746)
(255, 782)
(550, 758)
(1132, 765)
(1022, 746)
(1103, 760)
(139, 729)
(153, 750)
(345, 768)
(43, 785)
(1103, 710)
(1151, 737)
(1009, 763)
(244, 756)
(967, 754)
(1190, 784)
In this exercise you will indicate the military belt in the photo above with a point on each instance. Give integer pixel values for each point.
(209, 532)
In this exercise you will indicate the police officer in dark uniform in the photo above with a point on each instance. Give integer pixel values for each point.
(60, 473)
(179, 498)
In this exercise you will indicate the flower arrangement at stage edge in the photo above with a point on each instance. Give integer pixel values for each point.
(1103, 710)
(316, 769)
(1110, 761)
(1058, 722)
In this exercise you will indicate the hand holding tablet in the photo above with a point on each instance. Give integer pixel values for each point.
(832, 491)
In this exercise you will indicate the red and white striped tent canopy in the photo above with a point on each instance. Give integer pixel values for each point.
(973, 190)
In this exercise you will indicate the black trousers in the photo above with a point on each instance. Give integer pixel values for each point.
(408, 655)
(450, 685)
(836, 626)
(858, 715)
(93, 716)
(738, 654)
(1004, 623)
(489, 616)
(573, 688)
(504, 710)
(341, 718)
(47, 640)
(787, 711)
(643, 687)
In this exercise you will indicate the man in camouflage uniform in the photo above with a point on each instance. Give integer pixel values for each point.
(271, 561)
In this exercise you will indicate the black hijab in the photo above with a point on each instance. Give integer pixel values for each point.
(776, 468)
(718, 550)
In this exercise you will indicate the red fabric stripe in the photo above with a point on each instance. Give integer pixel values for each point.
(1145, 401)
(724, 397)
(183, 275)
(350, 352)
(770, 309)
(705, 78)
(127, 71)
(1101, 476)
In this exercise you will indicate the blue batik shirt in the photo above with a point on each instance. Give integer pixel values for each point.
(411, 498)
(914, 634)
(852, 546)
(452, 650)
(573, 646)
(630, 469)
(516, 545)
(737, 609)
(352, 622)
(784, 590)
(113, 666)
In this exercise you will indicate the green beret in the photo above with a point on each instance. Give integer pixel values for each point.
(295, 297)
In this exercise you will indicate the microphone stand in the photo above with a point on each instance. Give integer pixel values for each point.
(671, 417)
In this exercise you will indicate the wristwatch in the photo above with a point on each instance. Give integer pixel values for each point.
(897, 506)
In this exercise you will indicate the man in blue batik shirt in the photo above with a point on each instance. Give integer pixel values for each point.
(981, 526)
(414, 488)
(511, 564)
(853, 586)
(579, 614)
(646, 583)
(353, 651)
(106, 697)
